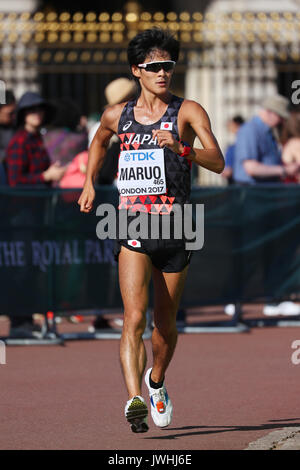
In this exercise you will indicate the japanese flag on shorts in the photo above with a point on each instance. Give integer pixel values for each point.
(166, 126)
(134, 243)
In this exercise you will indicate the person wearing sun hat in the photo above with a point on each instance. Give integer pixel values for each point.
(257, 160)
(277, 104)
(27, 159)
(32, 99)
(257, 152)
(119, 90)
(28, 164)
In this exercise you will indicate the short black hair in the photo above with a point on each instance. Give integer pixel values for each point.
(238, 119)
(9, 98)
(149, 40)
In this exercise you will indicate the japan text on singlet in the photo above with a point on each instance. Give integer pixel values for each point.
(151, 179)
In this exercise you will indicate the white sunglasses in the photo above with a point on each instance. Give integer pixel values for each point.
(156, 66)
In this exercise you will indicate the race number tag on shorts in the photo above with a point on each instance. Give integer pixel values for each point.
(141, 172)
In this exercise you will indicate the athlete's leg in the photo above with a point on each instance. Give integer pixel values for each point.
(134, 277)
(168, 288)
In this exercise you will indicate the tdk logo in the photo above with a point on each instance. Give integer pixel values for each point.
(139, 156)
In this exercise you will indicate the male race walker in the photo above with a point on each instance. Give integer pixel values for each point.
(156, 131)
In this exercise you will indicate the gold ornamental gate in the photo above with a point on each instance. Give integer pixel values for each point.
(229, 60)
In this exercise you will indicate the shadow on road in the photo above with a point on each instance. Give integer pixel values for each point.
(202, 430)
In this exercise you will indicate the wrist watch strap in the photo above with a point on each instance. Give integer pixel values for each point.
(186, 149)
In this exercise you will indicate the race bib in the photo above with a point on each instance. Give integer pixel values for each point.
(141, 172)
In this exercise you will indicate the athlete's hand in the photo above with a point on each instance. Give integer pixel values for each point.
(166, 139)
(87, 198)
(55, 172)
(292, 168)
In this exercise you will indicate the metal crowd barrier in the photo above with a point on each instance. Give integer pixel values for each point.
(52, 260)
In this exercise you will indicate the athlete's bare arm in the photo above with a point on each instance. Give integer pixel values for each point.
(97, 152)
(193, 121)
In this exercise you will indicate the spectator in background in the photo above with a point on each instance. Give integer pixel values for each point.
(27, 160)
(120, 90)
(66, 137)
(28, 164)
(7, 129)
(74, 176)
(291, 146)
(257, 159)
(233, 126)
(291, 154)
(257, 156)
(117, 91)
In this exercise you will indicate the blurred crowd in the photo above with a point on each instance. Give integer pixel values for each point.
(266, 148)
(46, 144)
(263, 150)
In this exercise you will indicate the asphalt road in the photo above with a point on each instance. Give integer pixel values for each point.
(228, 390)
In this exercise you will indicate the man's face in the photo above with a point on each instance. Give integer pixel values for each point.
(34, 116)
(157, 82)
(274, 119)
(233, 127)
(7, 113)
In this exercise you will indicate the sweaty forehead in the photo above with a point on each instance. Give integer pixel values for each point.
(157, 54)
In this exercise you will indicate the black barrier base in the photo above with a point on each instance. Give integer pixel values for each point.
(207, 327)
(214, 327)
(235, 325)
(107, 333)
(32, 342)
(49, 337)
(288, 321)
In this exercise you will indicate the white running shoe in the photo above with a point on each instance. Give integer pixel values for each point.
(136, 413)
(161, 406)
